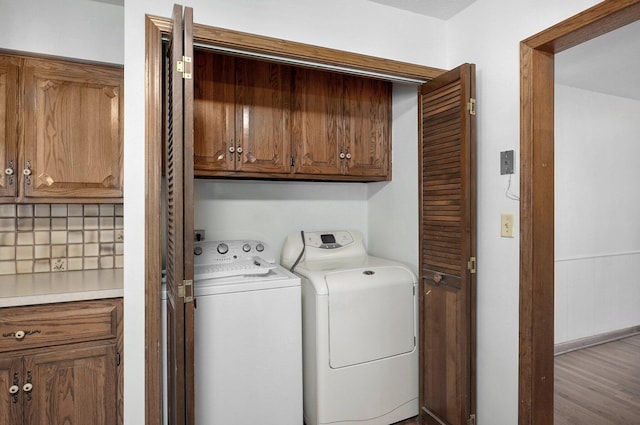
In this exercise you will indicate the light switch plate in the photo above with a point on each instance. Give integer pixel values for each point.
(506, 225)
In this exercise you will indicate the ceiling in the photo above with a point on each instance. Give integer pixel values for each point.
(441, 9)
(607, 64)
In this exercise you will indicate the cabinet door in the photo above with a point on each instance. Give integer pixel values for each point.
(8, 124)
(317, 122)
(72, 130)
(214, 141)
(263, 102)
(11, 387)
(367, 119)
(74, 386)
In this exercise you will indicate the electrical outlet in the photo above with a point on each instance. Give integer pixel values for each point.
(198, 235)
(506, 225)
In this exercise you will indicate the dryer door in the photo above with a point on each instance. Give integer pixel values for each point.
(371, 314)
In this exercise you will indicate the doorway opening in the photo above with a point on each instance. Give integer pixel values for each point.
(537, 53)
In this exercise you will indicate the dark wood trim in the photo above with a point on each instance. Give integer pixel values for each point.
(155, 28)
(251, 43)
(153, 253)
(537, 197)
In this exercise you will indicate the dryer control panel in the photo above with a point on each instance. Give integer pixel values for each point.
(328, 240)
(328, 247)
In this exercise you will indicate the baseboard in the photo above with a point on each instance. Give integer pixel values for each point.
(577, 344)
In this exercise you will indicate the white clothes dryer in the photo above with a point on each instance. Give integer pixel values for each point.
(359, 335)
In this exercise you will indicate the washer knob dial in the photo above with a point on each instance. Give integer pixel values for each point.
(223, 248)
(259, 247)
(246, 247)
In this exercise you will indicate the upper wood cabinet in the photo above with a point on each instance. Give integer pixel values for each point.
(241, 115)
(8, 124)
(68, 117)
(259, 119)
(341, 125)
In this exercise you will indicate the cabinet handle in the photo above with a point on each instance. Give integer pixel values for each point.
(9, 171)
(348, 156)
(21, 334)
(28, 386)
(232, 149)
(27, 173)
(14, 389)
(342, 155)
(239, 152)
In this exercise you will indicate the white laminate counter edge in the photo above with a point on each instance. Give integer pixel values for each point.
(47, 288)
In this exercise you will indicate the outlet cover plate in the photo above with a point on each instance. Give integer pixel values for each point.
(506, 162)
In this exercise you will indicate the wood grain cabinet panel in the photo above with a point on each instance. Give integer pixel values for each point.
(317, 122)
(11, 399)
(241, 115)
(72, 132)
(8, 125)
(258, 119)
(63, 367)
(74, 387)
(341, 125)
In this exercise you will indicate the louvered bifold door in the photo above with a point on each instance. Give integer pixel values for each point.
(179, 219)
(447, 246)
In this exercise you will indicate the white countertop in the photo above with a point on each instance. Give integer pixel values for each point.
(46, 288)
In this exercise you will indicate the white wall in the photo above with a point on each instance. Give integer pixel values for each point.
(597, 205)
(70, 28)
(488, 34)
(357, 26)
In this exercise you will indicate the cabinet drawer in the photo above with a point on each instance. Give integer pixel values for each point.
(56, 324)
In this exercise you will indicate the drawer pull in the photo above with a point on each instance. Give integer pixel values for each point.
(21, 334)
(14, 389)
(27, 387)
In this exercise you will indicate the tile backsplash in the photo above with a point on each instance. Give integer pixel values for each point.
(59, 237)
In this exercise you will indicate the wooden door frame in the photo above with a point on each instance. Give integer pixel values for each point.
(536, 377)
(155, 29)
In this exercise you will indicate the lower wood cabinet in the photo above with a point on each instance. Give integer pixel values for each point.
(59, 364)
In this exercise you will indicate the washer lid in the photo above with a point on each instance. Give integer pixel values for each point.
(371, 314)
(277, 277)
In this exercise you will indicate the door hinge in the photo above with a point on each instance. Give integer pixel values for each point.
(117, 359)
(182, 67)
(187, 286)
(471, 106)
(472, 420)
(471, 265)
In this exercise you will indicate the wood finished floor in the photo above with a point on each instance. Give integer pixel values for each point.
(599, 385)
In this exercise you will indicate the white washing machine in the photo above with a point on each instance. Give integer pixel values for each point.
(360, 327)
(248, 342)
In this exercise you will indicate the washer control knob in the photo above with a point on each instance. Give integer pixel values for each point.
(246, 247)
(223, 248)
(197, 250)
(259, 247)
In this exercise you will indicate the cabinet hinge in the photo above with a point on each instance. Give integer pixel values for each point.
(182, 67)
(471, 106)
(472, 420)
(187, 286)
(471, 265)
(293, 161)
(117, 359)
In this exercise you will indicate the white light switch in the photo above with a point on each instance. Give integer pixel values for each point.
(506, 225)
